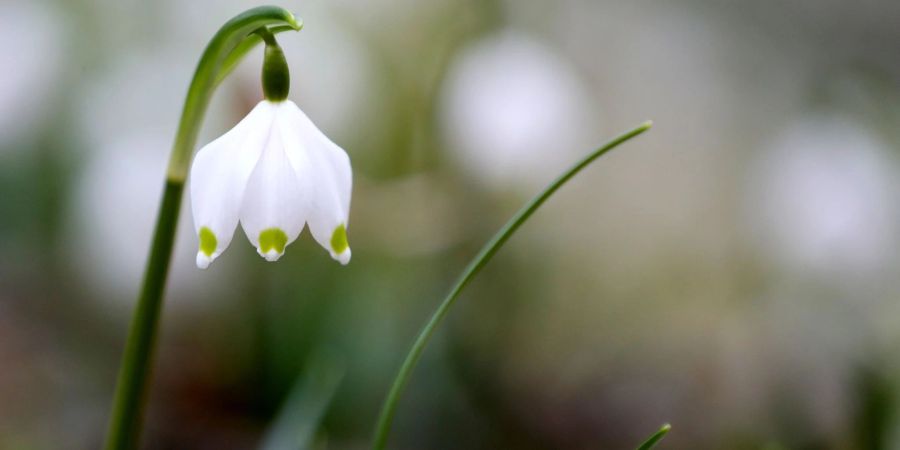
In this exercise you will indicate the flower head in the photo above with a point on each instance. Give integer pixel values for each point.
(273, 172)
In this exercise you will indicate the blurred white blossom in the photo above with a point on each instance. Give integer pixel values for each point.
(128, 124)
(31, 37)
(114, 208)
(514, 110)
(823, 197)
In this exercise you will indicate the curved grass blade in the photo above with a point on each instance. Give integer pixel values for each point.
(653, 440)
(296, 424)
(389, 407)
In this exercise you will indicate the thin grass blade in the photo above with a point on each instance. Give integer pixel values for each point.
(487, 252)
(653, 440)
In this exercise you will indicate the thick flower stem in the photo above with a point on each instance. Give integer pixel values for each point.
(131, 387)
(223, 53)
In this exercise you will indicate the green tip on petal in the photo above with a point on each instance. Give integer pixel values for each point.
(208, 241)
(208, 245)
(340, 249)
(271, 243)
(339, 239)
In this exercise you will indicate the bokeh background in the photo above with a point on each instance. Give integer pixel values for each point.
(735, 271)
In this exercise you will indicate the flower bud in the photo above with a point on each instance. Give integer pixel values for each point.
(276, 78)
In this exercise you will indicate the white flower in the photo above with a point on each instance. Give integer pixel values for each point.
(274, 171)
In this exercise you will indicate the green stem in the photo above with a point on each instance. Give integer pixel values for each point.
(220, 57)
(135, 370)
(389, 407)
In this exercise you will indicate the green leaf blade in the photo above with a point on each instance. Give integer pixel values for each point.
(389, 407)
(655, 438)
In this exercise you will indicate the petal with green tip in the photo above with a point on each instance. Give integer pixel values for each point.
(326, 168)
(218, 178)
(275, 197)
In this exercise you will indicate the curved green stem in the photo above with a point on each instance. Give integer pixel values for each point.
(218, 59)
(389, 407)
(207, 76)
(231, 61)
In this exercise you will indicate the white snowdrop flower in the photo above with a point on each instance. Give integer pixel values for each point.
(273, 172)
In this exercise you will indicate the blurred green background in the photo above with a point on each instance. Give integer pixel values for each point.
(735, 271)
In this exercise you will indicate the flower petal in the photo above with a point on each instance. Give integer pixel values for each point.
(326, 169)
(218, 177)
(275, 201)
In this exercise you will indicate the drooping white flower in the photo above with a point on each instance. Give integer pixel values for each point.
(273, 172)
